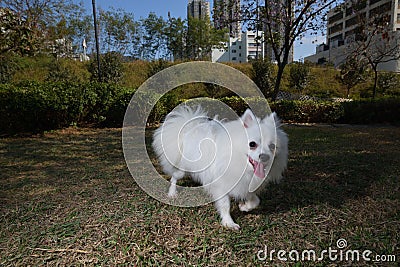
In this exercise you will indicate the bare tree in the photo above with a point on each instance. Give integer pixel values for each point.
(284, 22)
(152, 42)
(118, 29)
(374, 39)
(37, 13)
(36, 21)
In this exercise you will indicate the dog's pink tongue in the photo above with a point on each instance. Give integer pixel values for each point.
(259, 169)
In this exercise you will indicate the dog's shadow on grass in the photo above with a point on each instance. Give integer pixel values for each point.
(333, 165)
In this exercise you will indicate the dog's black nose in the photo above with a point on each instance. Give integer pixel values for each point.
(264, 157)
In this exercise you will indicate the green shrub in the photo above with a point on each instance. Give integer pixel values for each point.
(8, 67)
(169, 101)
(322, 83)
(236, 103)
(142, 105)
(67, 70)
(114, 114)
(35, 107)
(384, 110)
(32, 106)
(32, 68)
(111, 68)
(290, 110)
(156, 66)
(388, 84)
(264, 76)
(299, 76)
(308, 111)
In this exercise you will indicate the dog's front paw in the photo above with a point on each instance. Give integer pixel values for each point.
(172, 192)
(230, 224)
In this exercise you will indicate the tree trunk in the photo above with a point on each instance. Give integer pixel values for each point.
(278, 80)
(375, 82)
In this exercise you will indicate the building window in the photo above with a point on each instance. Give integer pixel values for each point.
(371, 2)
(336, 28)
(357, 7)
(234, 58)
(336, 41)
(233, 51)
(351, 22)
(336, 17)
(355, 20)
(240, 47)
(352, 34)
(398, 17)
(378, 11)
(349, 11)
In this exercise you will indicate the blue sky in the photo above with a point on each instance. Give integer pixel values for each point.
(178, 9)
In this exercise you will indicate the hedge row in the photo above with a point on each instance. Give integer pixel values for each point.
(34, 107)
(369, 111)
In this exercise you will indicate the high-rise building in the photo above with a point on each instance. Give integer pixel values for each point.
(227, 15)
(198, 9)
(343, 25)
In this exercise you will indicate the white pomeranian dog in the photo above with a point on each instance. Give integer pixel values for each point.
(231, 159)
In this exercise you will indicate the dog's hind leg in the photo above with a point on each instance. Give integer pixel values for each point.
(223, 206)
(176, 176)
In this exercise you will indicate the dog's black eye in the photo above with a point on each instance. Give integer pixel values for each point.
(272, 147)
(252, 145)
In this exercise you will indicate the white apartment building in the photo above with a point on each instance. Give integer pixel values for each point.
(240, 49)
(342, 25)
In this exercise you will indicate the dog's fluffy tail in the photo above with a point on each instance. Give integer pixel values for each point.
(182, 115)
(167, 139)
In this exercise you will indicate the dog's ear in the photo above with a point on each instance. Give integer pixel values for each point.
(276, 119)
(272, 119)
(248, 118)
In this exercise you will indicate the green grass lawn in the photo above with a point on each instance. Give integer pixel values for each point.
(67, 198)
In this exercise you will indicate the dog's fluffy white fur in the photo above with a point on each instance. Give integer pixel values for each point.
(223, 156)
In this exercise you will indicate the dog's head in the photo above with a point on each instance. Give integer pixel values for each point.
(262, 141)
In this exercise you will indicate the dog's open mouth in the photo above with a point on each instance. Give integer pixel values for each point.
(259, 169)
